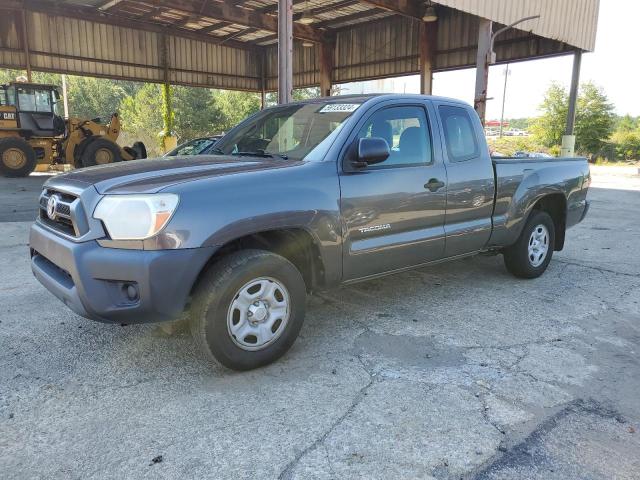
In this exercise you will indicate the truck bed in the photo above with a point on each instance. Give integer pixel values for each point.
(520, 180)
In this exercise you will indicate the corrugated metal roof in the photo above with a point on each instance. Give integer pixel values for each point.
(569, 21)
(223, 45)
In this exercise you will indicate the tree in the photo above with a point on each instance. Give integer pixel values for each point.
(141, 116)
(234, 107)
(94, 97)
(196, 114)
(549, 127)
(626, 123)
(594, 119)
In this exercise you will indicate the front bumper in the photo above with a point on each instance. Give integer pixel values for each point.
(94, 281)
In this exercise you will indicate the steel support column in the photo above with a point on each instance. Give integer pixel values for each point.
(327, 55)
(25, 43)
(427, 49)
(263, 83)
(285, 51)
(569, 139)
(482, 67)
(169, 141)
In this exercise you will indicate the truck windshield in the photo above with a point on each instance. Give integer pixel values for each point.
(289, 131)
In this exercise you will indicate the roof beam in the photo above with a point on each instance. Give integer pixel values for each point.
(106, 5)
(273, 9)
(326, 8)
(90, 14)
(238, 15)
(407, 8)
(212, 27)
(348, 18)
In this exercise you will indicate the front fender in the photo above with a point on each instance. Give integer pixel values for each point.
(215, 211)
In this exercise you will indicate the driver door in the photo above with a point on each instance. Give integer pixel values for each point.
(394, 212)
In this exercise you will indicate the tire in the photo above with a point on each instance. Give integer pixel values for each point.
(100, 152)
(140, 149)
(218, 309)
(17, 157)
(524, 262)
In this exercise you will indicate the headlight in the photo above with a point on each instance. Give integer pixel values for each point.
(135, 217)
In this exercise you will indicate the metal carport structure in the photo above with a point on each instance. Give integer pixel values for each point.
(266, 45)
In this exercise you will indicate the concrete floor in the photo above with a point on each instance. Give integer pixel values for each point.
(456, 371)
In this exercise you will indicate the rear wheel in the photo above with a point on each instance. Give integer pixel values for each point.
(17, 157)
(100, 152)
(248, 309)
(529, 257)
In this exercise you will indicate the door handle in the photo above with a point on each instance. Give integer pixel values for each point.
(433, 185)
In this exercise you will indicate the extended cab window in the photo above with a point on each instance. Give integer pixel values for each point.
(459, 134)
(406, 131)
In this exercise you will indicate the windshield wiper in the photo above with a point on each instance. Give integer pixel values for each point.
(260, 153)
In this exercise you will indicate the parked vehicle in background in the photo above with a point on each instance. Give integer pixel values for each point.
(514, 133)
(197, 146)
(296, 198)
(521, 154)
(33, 135)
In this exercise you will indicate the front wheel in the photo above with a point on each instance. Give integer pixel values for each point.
(248, 309)
(529, 257)
(17, 157)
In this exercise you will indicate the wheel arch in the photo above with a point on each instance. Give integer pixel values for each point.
(296, 244)
(555, 204)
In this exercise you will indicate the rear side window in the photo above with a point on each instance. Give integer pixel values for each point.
(459, 133)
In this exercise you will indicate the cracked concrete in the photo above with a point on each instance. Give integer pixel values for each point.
(455, 371)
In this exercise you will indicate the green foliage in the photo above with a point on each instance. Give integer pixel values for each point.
(196, 115)
(519, 123)
(233, 107)
(93, 97)
(510, 145)
(141, 116)
(626, 123)
(549, 127)
(594, 118)
(626, 144)
(7, 76)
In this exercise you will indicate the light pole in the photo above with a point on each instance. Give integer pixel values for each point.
(506, 74)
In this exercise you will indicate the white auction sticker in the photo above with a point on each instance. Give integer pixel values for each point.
(339, 107)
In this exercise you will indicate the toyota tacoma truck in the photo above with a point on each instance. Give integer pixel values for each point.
(296, 198)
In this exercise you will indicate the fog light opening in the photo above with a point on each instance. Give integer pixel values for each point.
(130, 290)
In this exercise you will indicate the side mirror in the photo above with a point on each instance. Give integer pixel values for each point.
(369, 151)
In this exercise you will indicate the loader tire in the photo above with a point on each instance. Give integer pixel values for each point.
(140, 149)
(100, 152)
(17, 157)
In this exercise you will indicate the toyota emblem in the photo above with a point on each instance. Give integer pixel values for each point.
(52, 205)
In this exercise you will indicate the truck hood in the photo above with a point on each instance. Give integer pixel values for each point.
(152, 175)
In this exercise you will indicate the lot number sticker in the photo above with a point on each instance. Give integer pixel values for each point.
(339, 107)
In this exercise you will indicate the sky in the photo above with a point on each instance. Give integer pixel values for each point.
(613, 66)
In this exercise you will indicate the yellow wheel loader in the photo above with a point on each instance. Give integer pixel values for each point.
(34, 136)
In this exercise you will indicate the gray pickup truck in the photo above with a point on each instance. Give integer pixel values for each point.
(296, 198)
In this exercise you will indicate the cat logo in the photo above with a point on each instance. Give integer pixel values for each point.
(8, 115)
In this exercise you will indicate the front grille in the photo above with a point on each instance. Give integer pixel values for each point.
(63, 221)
